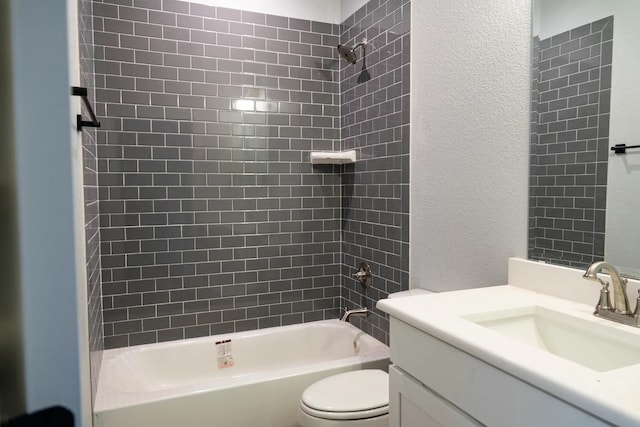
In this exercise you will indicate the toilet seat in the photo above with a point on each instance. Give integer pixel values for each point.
(352, 395)
(345, 416)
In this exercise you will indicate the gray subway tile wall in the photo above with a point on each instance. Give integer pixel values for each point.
(375, 190)
(533, 143)
(571, 91)
(91, 207)
(212, 218)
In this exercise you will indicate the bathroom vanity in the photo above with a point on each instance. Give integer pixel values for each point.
(513, 355)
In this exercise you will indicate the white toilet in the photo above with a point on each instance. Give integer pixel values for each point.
(351, 399)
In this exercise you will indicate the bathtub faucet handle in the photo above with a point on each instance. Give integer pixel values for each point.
(363, 274)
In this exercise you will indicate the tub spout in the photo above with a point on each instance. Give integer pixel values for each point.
(358, 312)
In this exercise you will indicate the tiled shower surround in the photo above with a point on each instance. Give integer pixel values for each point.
(90, 184)
(375, 190)
(569, 147)
(212, 218)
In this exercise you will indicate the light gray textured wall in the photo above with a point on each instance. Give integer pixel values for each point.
(50, 202)
(469, 141)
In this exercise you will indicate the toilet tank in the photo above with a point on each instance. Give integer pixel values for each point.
(410, 293)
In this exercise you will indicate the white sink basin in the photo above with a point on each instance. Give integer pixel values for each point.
(588, 343)
(546, 337)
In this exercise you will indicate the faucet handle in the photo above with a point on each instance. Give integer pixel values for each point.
(604, 303)
(636, 312)
(363, 274)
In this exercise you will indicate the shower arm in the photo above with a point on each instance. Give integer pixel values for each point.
(362, 44)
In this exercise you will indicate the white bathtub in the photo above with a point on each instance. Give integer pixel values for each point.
(179, 383)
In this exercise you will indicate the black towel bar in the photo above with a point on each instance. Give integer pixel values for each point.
(622, 148)
(94, 123)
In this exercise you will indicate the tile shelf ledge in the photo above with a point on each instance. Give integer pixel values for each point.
(333, 157)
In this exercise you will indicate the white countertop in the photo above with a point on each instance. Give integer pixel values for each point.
(612, 395)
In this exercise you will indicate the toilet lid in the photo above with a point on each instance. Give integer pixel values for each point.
(354, 394)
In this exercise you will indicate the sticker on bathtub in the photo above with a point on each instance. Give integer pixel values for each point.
(224, 356)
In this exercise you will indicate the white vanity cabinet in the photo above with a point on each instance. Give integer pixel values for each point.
(411, 404)
(434, 384)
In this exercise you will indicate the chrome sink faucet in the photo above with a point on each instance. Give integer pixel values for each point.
(620, 311)
(358, 312)
(620, 299)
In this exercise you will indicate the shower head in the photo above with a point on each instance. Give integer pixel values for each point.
(349, 53)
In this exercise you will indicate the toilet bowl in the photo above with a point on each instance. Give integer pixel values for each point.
(351, 399)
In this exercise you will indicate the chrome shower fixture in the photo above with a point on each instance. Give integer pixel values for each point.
(349, 53)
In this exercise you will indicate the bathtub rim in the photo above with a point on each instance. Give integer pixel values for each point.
(112, 399)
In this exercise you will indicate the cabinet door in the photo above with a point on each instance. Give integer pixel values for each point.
(411, 404)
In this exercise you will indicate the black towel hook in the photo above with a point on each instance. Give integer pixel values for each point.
(94, 123)
(622, 148)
